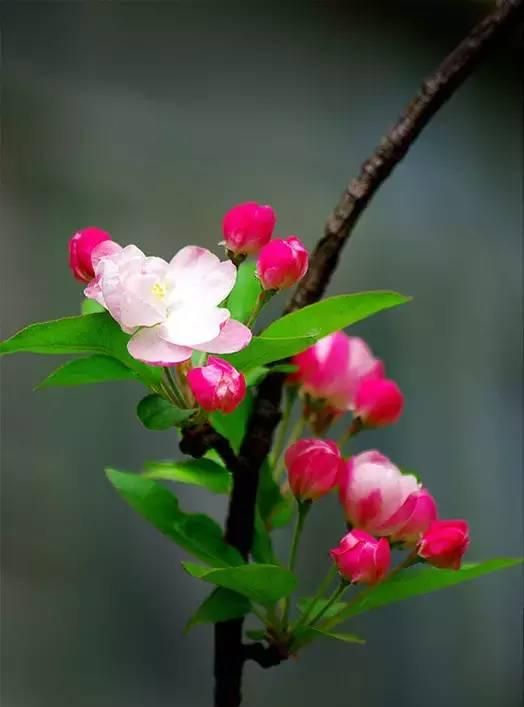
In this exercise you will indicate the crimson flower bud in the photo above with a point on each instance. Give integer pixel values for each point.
(81, 247)
(248, 227)
(313, 467)
(378, 402)
(282, 263)
(361, 558)
(444, 543)
(217, 386)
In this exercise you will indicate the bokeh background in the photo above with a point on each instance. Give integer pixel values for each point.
(150, 119)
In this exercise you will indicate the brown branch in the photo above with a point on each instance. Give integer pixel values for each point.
(230, 654)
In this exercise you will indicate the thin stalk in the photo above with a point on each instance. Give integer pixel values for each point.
(319, 594)
(332, 599)
(280, 442)
(170, 386)
(303, 510)
(295, 434)
(410, 560)
(352, 431)
(262, 299)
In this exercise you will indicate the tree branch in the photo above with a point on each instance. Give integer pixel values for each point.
(230, 654)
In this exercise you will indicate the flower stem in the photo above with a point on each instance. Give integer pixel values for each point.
(353, 430)
(262, 299)
(295, 434)
(290, 397)
(171, 388)
(319, 594)
(332, 599)
(303, 510)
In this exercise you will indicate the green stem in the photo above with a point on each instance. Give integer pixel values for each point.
(170, 386)
(290, 397)
(319, 594)
(295, 434)
(303, 510)
(332, 599)
(410, 560)
(352, 431)
(262, 299)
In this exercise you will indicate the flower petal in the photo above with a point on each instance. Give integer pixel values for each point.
(189, 326)
(233, 337)
(148, 346)
(199, 276)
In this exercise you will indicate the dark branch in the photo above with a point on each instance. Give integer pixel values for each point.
(435, 91)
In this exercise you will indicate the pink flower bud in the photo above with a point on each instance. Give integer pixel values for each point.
(333, 368)
(444, 543)
(378, 402)
(375, 495)
(423, 513)
(248, 227)
(313, 468)
(362, 558)
(217, 386)
(282, 263)
(81, 246)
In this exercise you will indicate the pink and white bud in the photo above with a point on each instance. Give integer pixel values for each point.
(81, 247)
(361, 558)
(313, 467)
(282, 263)
(217, 386)
(378, 402)
(424, 512)
(333, 368)
(444, 543)
(375, 495)
(248, 227)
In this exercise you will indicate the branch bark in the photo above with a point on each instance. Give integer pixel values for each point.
(230, 653)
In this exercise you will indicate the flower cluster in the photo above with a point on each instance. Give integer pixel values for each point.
(339, 374)
(382, 506)
(173, 309)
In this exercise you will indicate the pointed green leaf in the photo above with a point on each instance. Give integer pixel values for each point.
(263, 350)
(256, 375)
(303, 605)
(333, 313)
(256, 635)
(195, 532)
(220, 605)
(262, 583)
(157, 413)
(89, 333)
(94, 369)
(244, 295)
(346, 637)
(90, 306)
(416, 581)
(198, 472)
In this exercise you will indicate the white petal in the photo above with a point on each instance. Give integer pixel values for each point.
(189, 326)
(148, 346)
(233, 337)
(200, 278)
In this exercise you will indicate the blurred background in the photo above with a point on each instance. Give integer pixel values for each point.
(150, 120)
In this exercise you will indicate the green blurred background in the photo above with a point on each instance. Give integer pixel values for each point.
(150, 120)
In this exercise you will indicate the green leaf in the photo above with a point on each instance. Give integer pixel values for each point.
(275, 509)
(420, 580)
(256, 375)
(220, 605)
(346, 637)
(333, 313)
(157, 413)
(90, 306)
(233, 425)
(89, 333)
(195, 532)
(263, 350)
(262, 583)
(244, 295)
(198, 472)
(94, 369)
(262, 549)
(303, 606)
